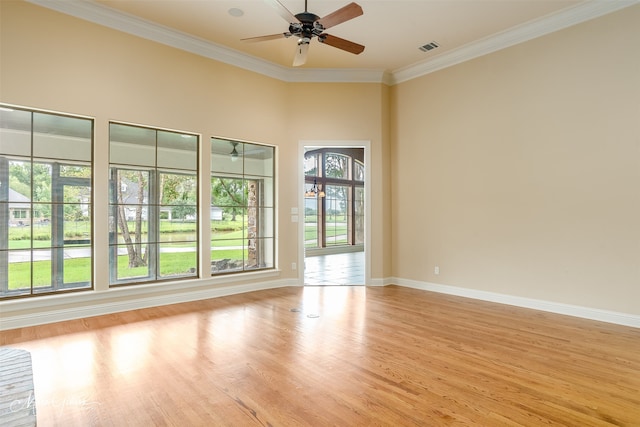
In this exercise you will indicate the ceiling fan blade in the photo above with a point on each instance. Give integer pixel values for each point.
(350, 11)
(265, 38)
(341, 43)
(301, 54)
(282, 11)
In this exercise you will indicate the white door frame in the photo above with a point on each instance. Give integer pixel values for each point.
(302, 144)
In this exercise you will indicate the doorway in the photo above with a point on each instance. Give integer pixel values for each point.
(334, 223)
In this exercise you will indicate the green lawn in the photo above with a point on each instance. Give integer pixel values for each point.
(75, 270)
(78, 270)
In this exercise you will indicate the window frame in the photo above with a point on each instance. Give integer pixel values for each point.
(75, 132)
(235, 168)
(323, 182)
(150, 208)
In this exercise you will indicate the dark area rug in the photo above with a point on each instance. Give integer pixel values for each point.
(17, 399)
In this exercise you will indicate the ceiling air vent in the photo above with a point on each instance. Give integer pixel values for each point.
(429, 46)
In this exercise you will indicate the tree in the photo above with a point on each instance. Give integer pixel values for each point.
(336, 166)
(178, 191)
(228, 194)
(131, 186)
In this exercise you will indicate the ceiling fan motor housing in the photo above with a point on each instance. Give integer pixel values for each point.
(308, 26)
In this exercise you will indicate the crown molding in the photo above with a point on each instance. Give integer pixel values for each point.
(519, 34)
(105, 16)
(337, 75)
(102, 15)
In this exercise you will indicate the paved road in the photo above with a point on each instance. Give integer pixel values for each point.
(45, 254)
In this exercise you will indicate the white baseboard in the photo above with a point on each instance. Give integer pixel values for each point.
(376, 282)
(56, 308)
(549, 306)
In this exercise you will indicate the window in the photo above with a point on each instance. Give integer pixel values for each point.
(46, 202)
(153, 204)
(242, 206)
(334, 214)
(17, 214)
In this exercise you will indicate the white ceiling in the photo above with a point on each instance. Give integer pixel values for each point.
(391, 30)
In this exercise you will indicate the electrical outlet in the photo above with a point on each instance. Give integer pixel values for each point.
(294, 266)
(436, 270)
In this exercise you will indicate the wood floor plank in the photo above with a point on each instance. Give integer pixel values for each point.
(324, 356)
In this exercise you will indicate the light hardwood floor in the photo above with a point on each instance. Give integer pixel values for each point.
(344, 356)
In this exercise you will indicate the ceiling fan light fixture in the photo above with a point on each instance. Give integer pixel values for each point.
(314, 191)
(234, 153)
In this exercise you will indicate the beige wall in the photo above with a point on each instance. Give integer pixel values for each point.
(515, 173)
(56, 62)
(519, 172)
(350, 112)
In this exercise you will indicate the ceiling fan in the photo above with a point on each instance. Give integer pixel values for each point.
(306, 25)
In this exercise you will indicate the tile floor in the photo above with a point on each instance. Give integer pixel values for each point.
(336, 269)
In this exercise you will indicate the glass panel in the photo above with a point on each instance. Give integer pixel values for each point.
(259, 254)
(336, 166)
(18, 278)
(77, 204)
(75, 171)
(227, 255)
(178, 189)
(60, 137)
(178, 260)
(42, 226)
(258, 160)
(311, 164)
(77, 267)
(131, 230)
(178, 151)
(132, 187)
(19, 230)
(42, 182)
(77, 224)
(336, 215)
(19, 182)
(178, 231)
(262, 224)
(178, 213)
(227, 241)
(311, 223)
(131, 145)
(4, 227)
(358, 172)
(15, 131)
(260, 189)
(226, 156)
(227, 231)
(130, 264)
(42, 269)
(358, 216)
(227, 192)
